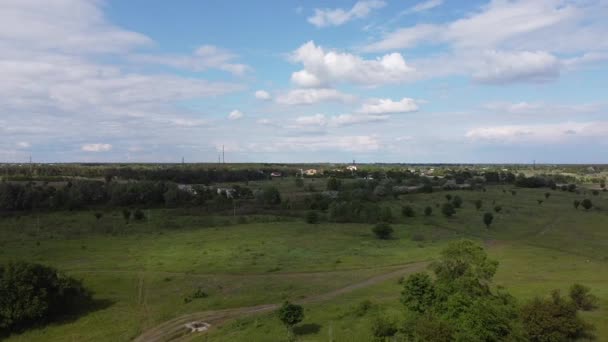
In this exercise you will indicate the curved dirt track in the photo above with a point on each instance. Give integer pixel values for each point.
(174, 329)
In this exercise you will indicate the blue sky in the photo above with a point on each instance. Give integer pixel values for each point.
(304, 81)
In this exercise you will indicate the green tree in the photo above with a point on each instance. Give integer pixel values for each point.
(138, 215)
(428, 211)
(33, 294)
(603, 184)
(290, 315)
(386, 214)
(418, 293)
(487, 219)
(383, 327)
(447, 209)
(547, 195)
(126, 214)
(587, 204)
(299, 182)
(576, 203)
(407, 211)
(448, 197)
(383, 231)
(269, 195)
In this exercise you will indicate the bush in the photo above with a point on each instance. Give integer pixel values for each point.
(333, 184)
(32, 294)
(383, 327)
(428, 211)
(362, 308)
(576, 203)
(98, 215)
(497, 208)
(126, 214)
(478, 204)
(408, 211)
(299, 182)
(587, 204)
(457, 201)
(383, 231)
(138, 215)
(547, 195)
(386, 214)
(447, 209)
(582, 298)
(487, 219)
(312, 217)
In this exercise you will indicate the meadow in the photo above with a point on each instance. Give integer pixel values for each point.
(146, 273)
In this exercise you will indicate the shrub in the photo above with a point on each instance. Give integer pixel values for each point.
(126, 214)
(595, 192)
(138, 215)
(428, 211)
(547, 195)
(386, 214)
(333, 184)
(383, 231)
(407, 211)
(312, 217)
(290, 315)
(540, 201)
(497, 208)
(383, 327)
(299, 182)
(98, 215)
(587, 204)
(487, 219)
(582, 297)
(448, 197)
(478, 204)
(457, 201)
(362, 308)
(576, 203)
(447, 209)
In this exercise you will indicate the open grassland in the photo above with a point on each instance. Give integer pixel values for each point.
(142, 272)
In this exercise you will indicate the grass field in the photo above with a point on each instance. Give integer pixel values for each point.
(142, 272)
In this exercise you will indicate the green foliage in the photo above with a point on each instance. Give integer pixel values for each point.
(126, 214)
(457, 201)
(333, 184)
(540, 201)
(312, 217)
(407, 211)
(383, 327)
(447, 209)
(418, 293)
(576, 204)
(386, 214)
(98, 215)
(448, 197)
(582, 298)
(497, 208)
(363, 308)
(587, 204)
(553, 320)
(478, 204)
(428, 211)
(547, 195)
(290, 314)
(299, 182)
(383, 231)
(33, 294)
(487, 219)
(269, 195)
(138, 215)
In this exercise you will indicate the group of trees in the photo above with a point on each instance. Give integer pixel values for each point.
(460, 303)
(33, 294)
(79, 194)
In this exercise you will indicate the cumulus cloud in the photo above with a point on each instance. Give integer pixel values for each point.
(235, 115)
(204, 58)
(388, 106)
(323, 67)
(96, 147)
(313, 95)
(262, 95)
(338, 16)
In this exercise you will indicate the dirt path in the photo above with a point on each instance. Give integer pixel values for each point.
(174, 329)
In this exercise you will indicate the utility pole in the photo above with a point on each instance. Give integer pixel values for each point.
(223, 156)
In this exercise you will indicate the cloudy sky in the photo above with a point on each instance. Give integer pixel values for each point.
(304, 81)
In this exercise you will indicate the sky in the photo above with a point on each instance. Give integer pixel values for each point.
(500, 81)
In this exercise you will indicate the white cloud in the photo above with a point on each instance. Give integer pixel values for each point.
(204, 58)
(327, 67)
(338, 16)
(320, 120)
(539, 133)
(426, 5)
(96, 147)
(506, 67)
(388, 106)
(542, 109)
(262, 95)
(313, 95)
(235, 115)
(23, 144)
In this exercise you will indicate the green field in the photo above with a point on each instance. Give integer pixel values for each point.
(141, 272)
